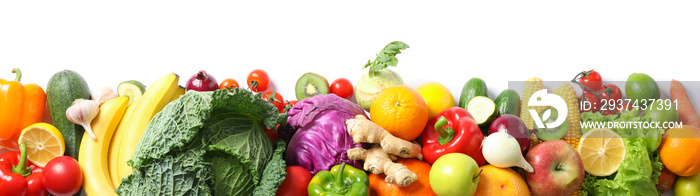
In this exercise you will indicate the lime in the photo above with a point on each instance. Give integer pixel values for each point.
(661, 112)
(437, 97)
(641, 86)
(132, 89)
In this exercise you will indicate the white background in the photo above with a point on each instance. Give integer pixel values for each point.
(108, 42)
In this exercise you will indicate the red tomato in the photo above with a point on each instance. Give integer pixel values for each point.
(62, 176)
(278, 101)
(271, 134)
(295, 183)
(592, 81)
(228, 82)
(592, 103)
(261, 80)
(616, 94)
(291, 103)
(342, 87)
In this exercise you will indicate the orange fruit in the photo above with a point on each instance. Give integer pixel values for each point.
(500, 181)
(377, 185)
(680, 150)
(401, 111)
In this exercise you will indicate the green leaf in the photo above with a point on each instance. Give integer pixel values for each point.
(172, 128)
(274, 172)
(179, 173)
(386, 57)
(242, 138)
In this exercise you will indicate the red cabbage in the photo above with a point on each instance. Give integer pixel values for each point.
(321, 140)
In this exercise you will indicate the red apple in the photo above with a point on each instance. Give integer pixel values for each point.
(558, 169)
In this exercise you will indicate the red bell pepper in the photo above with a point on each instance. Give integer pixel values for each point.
(18, 176)
(452, 131)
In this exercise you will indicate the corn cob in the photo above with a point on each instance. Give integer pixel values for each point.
(531, 86)
(566, 92)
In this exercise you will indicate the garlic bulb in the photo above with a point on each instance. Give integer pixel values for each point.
(103, 95)
(82, 112)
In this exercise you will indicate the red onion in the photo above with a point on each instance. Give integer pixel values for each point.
(512, 125)
(202, 82)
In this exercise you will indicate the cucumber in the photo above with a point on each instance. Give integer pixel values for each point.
(63, 88)
(508, 102)
(474, 87)
(132, 89)
(483, 110)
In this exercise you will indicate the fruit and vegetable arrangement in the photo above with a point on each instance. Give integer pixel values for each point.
(378, 137)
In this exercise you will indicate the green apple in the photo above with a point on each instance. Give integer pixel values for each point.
(689, 185)
(454, 174)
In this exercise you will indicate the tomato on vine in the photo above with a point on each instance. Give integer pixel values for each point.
(258, 80)
(614, 92)
(592, 80)
(276, 99)
(228, 82)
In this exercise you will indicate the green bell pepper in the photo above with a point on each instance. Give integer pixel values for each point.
(341, 180)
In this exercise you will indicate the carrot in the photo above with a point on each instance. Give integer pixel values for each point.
(686, 111)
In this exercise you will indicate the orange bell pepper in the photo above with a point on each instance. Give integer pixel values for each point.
(20, 106)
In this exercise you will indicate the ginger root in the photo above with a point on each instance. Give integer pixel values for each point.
(362, 129)
(380, 158)
(378, 161)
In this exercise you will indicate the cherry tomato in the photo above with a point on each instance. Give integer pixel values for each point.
(342, 87)
(592, 81)
(278, 101)
(291, 103)
(296, 182)
(62, 176)
(271, 134)
(228, 82)
(261, 80)
(592, 103)
(616, 94)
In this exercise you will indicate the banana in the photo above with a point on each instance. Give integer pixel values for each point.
(153, 100)
(93, 154)
(179, 92)
(116, 142)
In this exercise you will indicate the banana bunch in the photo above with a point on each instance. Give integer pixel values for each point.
(93, 154)
(118, 128)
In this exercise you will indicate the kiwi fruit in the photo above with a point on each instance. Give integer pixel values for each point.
(311, 84)
(553, 133)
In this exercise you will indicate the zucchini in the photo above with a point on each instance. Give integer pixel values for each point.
(484, 111)
(65, 87)
(474, 87)
(508, 102)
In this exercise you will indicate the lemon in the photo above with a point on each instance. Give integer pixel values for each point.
(437, 97)
(602, 151)
(44, 142)
(641, 86)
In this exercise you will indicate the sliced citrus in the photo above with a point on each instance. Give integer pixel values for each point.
(44, 142)
(602, 151)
